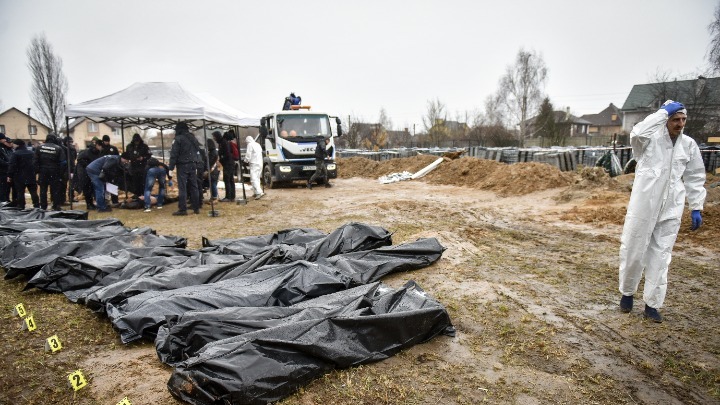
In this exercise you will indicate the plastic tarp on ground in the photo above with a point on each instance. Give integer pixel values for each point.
(278, 350)
(160, 104)
(298, 301)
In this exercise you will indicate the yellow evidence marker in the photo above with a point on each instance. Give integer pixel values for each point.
(52, 344)
(29, 324)
(77, 380)
(19, 310)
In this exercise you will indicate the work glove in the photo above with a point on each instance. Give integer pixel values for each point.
(696, 220)
(672, 107)
(101, 176)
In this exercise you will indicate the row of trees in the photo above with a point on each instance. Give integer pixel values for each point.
(504, 120)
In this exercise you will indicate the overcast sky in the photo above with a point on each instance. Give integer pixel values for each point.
(355, 57)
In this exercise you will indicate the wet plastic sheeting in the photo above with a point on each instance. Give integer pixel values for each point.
(14, 214)
(71, 273)
(290, 355)
(352, 237)
(184, 335)
(16, 226)
(28, 243)
(166, 278)
(371, 265)
(251, 244)
(88, 246)
(281, 285)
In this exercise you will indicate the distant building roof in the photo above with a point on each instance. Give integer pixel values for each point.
(705, 91)
(605, 117)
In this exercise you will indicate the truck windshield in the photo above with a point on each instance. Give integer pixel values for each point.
(303, 126)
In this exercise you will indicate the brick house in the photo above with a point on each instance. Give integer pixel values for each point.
(16, 124)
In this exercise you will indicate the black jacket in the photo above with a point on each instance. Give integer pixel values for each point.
(109, 150)
(49, 157)
(321, 152)
(185, 149)
(21, 167)
(139, 153)
(153, 162)
(109, 165)
(5, 154)
(87, 156)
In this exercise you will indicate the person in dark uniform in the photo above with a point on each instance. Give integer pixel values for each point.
(21, 172)
(323, 150)
(49, 161)
(84, 184)
(66, 178)
(6, 151)
(228, 165)
(111, 150)
(108, 168)
(139, 153)
(185, 154)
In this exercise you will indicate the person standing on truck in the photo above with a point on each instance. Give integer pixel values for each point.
(323, 151)
(254, 159)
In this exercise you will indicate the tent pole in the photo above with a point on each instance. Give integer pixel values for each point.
(242, 179)
(162, 144)
(122, 135)
(212, 212)
(67, 136)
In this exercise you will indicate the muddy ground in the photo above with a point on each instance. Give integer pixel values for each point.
(529, 278)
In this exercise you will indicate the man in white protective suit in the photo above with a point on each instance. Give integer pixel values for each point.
(254, 159)
(669, 168)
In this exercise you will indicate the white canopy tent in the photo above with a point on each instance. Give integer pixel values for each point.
(160, 105)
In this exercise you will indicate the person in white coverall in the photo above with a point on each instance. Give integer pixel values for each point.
(669, 168)
(254, 159)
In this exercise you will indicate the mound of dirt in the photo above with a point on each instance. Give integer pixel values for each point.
(504, 179)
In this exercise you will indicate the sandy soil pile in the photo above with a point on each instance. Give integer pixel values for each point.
(504, 179)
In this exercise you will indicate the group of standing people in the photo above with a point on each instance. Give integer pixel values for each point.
(49, 166)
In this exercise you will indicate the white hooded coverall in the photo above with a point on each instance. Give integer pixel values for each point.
(254, 158)
(664, 175)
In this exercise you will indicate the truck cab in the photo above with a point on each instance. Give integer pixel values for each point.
(289, 138)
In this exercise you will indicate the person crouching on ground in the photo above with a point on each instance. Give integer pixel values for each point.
(156, 170)
(669, 168)
(254, 159)
(105, 169)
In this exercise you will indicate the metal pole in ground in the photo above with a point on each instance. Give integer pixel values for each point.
(242, 201)
(212, 212)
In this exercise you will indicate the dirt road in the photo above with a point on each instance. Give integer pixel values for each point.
(529, 278)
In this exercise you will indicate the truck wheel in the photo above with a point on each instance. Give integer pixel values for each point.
(267, 177)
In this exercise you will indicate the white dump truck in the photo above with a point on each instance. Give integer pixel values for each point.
(289, 138)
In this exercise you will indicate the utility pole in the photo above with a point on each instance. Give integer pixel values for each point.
(29, 127)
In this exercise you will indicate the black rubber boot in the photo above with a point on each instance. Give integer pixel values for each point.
(652, 314)
(626, 303)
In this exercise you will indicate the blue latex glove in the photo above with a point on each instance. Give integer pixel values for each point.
(672, 107)
(696, 220)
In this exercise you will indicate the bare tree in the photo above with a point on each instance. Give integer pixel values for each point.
(714, 52)
(353, 137)
(692, 91)
(521, 88)
(386, 125)
(49, 85)
(434, 122)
